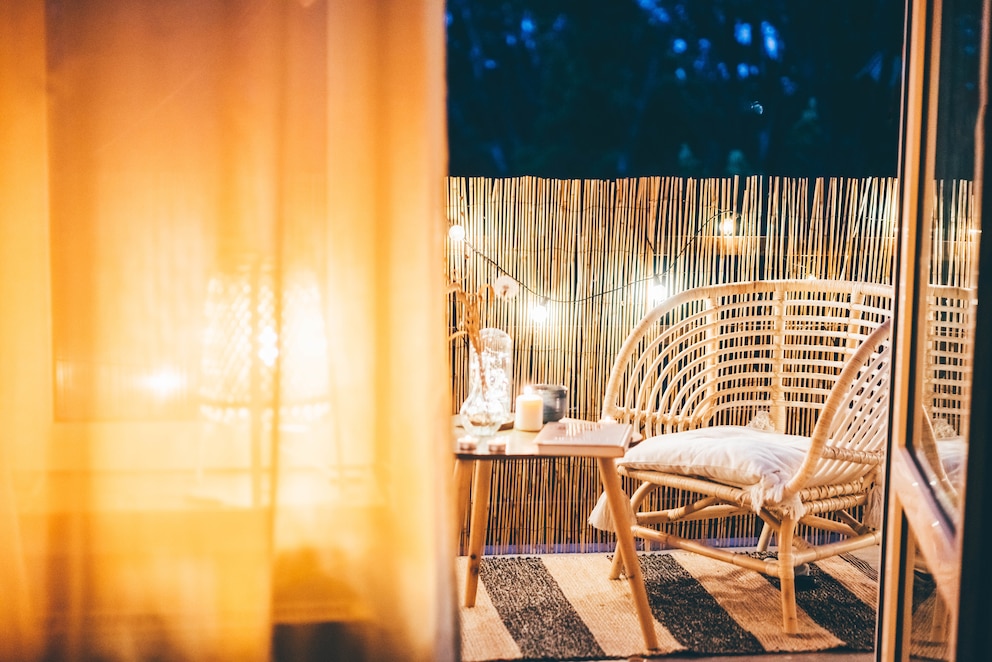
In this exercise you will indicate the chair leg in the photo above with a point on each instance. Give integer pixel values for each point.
(765, 537)
(941, 618)
(787, 575)
(616, 568)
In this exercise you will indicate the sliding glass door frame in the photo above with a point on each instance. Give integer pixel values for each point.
(918, 525)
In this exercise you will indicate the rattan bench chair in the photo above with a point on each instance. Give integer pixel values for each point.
(766, 397)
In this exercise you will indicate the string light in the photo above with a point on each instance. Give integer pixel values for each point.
(658, 291)
(540, 310)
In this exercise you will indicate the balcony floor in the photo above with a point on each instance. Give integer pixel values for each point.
(871, 555)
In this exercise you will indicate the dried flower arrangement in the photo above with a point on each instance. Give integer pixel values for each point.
(469, 324)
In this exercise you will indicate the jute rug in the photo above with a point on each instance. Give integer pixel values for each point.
(564, 607)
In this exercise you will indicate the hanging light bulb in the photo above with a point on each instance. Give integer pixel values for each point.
(658, 291)
(727, 226)
(456, 233)
(539, 312)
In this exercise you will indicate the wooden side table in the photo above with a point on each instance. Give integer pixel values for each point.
(473, 478)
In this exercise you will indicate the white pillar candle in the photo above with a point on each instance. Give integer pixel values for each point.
(530, 412)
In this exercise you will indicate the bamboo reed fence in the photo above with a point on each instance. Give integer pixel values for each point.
(593, 249)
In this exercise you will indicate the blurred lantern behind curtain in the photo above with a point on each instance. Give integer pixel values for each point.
(242, 337)
(255, 335)
(222, 344)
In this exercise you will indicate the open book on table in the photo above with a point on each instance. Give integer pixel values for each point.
(571, 435)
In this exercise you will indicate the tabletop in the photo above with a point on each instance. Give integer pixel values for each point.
(513, 443)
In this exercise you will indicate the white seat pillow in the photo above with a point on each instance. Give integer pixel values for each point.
(760, 461)
(953, 453)
(731, 454)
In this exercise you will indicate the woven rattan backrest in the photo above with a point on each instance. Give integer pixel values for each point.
(850, 436)
(934, 465)
(721, 354)
(947, 353)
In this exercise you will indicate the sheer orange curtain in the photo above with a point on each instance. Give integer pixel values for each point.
(223, 399)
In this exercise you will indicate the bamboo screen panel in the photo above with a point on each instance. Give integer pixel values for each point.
(592, 249)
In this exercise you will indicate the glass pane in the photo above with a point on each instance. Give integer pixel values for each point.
(950, 250)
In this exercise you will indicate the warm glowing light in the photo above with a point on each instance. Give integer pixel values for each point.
(268, 346)
(727, 226)
(658, 291)
(164, 382)
(244, 343)
(456, 233)
(539, 312)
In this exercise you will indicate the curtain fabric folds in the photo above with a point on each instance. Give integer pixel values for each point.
(223, 396)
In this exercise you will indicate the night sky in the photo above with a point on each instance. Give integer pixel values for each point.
(708, 88)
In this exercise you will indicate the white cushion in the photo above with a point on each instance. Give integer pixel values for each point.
(760, 461)
(730, 454)
(953, 453)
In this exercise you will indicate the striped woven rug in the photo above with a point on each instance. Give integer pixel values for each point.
(563, 607)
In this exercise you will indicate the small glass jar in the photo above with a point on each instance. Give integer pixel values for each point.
(555, 397)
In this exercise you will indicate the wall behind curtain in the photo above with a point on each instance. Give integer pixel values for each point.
(223, 392)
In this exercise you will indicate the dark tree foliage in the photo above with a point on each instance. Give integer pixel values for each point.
(619, 88)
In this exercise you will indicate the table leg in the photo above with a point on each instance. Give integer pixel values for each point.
(620, 509)
(463, 489)
(477, 528)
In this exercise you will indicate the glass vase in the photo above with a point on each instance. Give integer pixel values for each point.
(487, 405)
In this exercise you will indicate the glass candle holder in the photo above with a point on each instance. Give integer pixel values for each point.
(555, 397)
